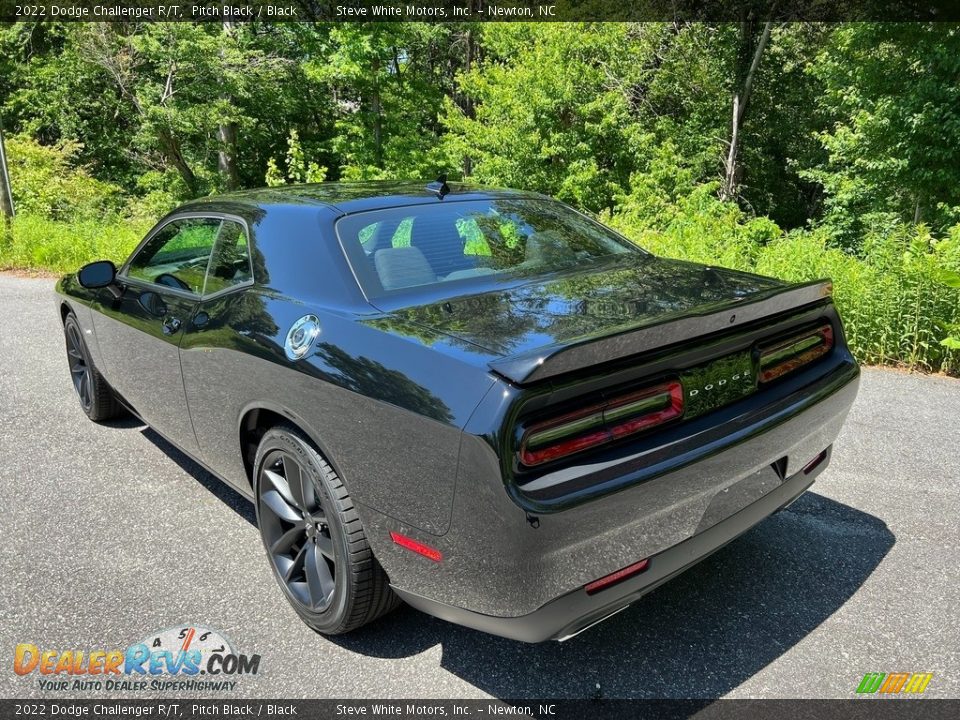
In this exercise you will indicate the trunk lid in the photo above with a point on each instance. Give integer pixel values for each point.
(632, 304)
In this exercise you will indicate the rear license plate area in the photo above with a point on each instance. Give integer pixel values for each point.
(718, 383)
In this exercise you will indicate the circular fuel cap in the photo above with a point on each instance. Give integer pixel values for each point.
(301, 337)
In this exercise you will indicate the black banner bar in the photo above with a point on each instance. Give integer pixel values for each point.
(478, 10)
(854, 709)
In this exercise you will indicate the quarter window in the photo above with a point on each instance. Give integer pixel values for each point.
(230, 263)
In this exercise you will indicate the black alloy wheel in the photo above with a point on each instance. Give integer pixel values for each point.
(80, 371)
(314, 538)
(296, 531)
(97, 399)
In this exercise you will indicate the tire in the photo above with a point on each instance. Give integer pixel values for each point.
(97, 399)
(313, 537)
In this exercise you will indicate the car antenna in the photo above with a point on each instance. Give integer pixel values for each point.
(439, 186)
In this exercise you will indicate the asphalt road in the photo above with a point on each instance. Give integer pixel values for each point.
(110, 534)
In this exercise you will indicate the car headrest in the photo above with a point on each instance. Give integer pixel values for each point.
(402, 267)
(546, 246)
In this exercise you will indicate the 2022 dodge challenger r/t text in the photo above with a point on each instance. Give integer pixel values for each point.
(477, 401)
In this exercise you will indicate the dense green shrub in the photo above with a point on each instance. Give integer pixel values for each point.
(697, 227)
(48, 183)
(65, 217)
(896, 307)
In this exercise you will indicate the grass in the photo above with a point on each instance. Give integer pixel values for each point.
(38, 244)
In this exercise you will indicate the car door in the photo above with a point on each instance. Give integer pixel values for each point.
(218, 350)
(139, 328)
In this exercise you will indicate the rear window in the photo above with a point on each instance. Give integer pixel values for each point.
(400, 248)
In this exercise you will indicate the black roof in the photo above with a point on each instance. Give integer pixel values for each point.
(350, 197)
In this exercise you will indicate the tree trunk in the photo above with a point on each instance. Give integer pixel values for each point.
(170, 147)
(467, 101)
(377, 112)
(6, 192)
(227, 134)
(741, 98)
(227, 155)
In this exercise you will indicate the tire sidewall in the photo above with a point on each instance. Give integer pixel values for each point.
(337, 611)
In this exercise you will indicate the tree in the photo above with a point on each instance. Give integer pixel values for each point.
(741, 98)
(552, 109)
(891, 108)
(190, 88)
(386, 82)
(6, 192)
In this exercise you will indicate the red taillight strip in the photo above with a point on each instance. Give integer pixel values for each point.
(619, 576)
(417, 547)
(601, 423)
(790, 354)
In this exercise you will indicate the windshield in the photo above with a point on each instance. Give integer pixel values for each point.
(391, 250)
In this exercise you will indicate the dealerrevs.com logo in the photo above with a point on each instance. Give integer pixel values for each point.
(186, 657)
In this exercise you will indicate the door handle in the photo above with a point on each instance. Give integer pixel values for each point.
(171, 325)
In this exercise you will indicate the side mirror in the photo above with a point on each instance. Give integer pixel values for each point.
(97, 274)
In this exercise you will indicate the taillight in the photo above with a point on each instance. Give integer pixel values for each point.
(788, 355)
(601, 423)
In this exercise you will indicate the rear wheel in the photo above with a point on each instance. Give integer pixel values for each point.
(314, 539)
(96, 397)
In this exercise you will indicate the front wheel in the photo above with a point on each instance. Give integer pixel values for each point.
(314, 539)
(96, 397)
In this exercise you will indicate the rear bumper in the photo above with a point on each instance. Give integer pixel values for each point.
(516, 572)
(576, 611)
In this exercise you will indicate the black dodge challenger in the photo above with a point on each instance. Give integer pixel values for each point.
(477, 401)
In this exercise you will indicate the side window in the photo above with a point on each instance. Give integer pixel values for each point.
(230, 264)
(401, 236)
(177, 256)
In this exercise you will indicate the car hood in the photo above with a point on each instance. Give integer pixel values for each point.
(614, 297)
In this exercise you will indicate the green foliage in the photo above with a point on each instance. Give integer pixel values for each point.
(387, 82)
(892, 110)
(299, 169)
(698, 227)
(897, 298)
(46, 181)
(567, 134)
(37, 243)
(894, 309)
(848, 161)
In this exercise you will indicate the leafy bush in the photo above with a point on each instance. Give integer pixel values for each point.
(699, 228)
(65, 218)
(47, 183)
(894, 307)
(895, 299)
(299, 169)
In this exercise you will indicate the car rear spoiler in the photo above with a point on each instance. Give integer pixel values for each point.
(552, 360)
